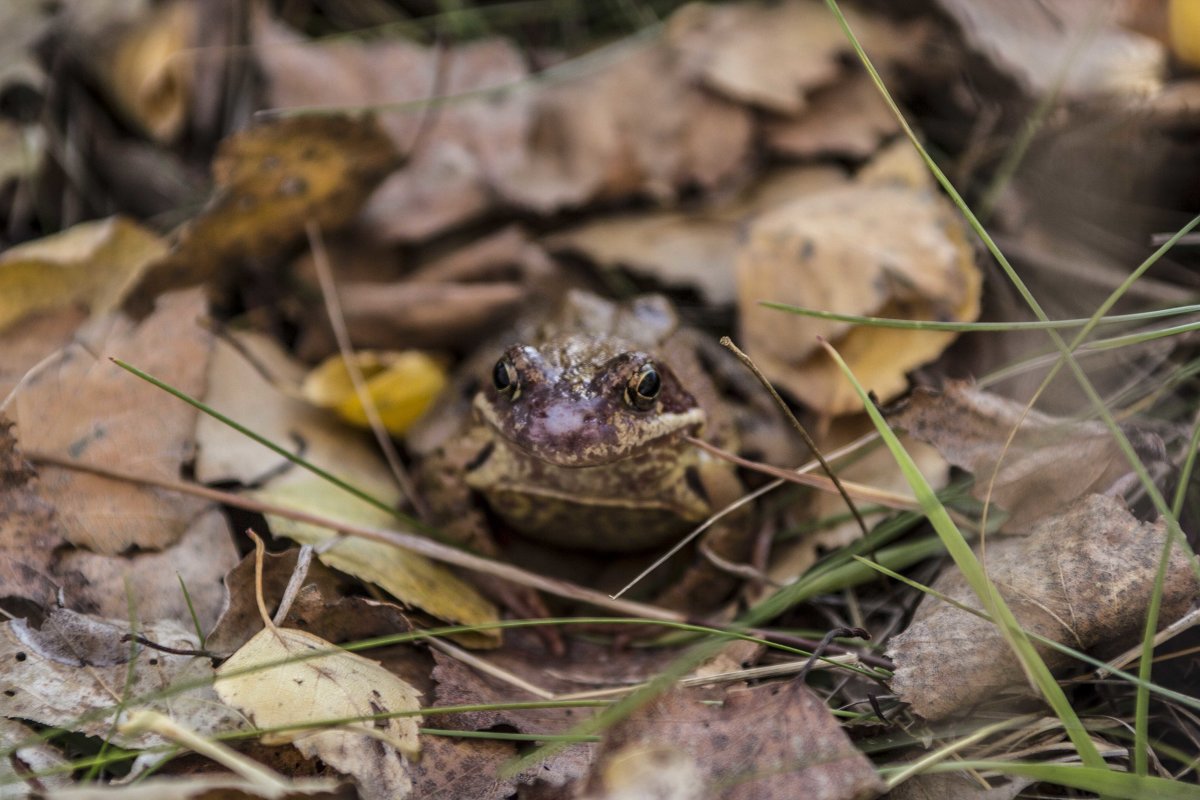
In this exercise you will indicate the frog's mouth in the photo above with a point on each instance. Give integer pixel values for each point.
(568, 438)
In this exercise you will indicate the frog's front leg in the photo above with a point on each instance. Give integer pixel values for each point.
(459, 517)
(704, 584)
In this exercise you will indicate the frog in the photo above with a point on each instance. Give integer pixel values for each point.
(578, 438)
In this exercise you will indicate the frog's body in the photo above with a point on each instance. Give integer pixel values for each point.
(578, 438)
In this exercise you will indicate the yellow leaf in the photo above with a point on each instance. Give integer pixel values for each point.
(1183, 25)
(409, 577)
(298, 688)
(93, 264)
(401, 385)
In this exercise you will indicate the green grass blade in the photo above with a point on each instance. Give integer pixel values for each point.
(976, 577)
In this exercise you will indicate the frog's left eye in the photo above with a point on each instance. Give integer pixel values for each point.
(504, 378)
(643, 388)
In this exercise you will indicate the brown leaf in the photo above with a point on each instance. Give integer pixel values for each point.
(848, 119)
(772, 55)
(211, 787)
(614, 133)
(776, 740)
(103, 584)
(447, 182)
(1050, 463)
(28, 536)
(1082, 578)
(240, 618)
(84, 408)
(955, 786)
(887, 245)
(696, 249)
(463, 768)
(34, 337)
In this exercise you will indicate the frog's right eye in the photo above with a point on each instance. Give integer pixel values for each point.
(504, 378)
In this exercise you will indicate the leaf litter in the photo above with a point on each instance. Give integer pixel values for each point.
(734, 154)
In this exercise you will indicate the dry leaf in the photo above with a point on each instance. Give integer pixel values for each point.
(271, 181)
(31, 766)
(453, 301)
(1082, 578)
(74, 671)
(103, 584)
(38, 335)
(83, 408)
(28, 535)
(1050, 463)
(848, 119)
(251, 379)
(467, 141)
(613, 133)
(304, 690)
(401, 385)
(323, 606)
(693, 249)
(451, 767)
(776, 740)
(772, 55)
(148, 69)
(210, 787)
(955, 786)
(92, 264)
(879, 247)
(651, 771)
(1034, 43)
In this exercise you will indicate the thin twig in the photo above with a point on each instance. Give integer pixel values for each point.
(727, 343)
(406, 541)
(337, 321)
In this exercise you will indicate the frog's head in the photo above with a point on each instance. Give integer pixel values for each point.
(582, 401)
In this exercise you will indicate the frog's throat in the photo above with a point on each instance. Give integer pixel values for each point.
(593, 448)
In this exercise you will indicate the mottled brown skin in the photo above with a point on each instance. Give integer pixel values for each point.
(567, 451)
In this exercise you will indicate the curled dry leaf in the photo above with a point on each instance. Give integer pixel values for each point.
(83, 408)
(277, 682)
(92, 264)
(270, 182)
(888, 245)
(1050, 463)
(1083, 578)
(401, 385)
(74, 671)
(776, 740)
